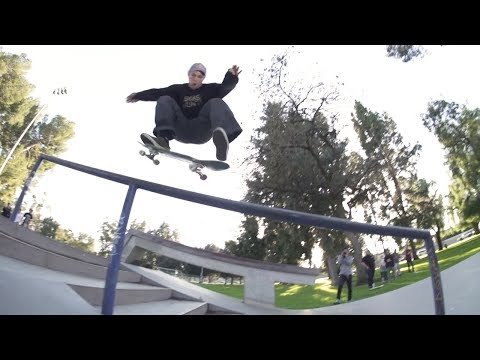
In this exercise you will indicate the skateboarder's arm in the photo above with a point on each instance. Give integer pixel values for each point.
(152, 94)
(149, 95)
(228, 84)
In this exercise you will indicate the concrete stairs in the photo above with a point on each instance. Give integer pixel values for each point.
(165, 307)
(39, 275)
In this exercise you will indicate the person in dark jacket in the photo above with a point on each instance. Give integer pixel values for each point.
(389, 263)
(7, 211)
(194, 112)
(369, 262)
(27, 217)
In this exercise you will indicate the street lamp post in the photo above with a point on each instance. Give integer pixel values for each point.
(55, 92)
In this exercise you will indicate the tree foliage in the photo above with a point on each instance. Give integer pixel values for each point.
(149, 259)
(299, 161)
(51, 228)
(458, 130)
(49, 135)
(395, 194)
(405, 52)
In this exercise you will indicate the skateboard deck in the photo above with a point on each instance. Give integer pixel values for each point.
(376, 287)
(195, 165)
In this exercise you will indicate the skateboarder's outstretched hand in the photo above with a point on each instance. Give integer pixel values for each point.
(131, 98)
(235, 70)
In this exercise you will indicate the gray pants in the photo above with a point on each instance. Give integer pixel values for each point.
(215, 113)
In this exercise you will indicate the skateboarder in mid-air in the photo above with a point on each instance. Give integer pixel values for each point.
(193, 113)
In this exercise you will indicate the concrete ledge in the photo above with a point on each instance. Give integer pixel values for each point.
(19, 250)
(201, 309)
(218, 310)
(94, 296)
(16, 231)
(216, 301)
(263, 265)
(259, 276)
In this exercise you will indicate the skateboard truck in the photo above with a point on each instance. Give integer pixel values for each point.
(196, 168)
(150, 156)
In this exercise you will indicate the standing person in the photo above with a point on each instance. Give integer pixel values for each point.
(7, 211)
(383, 271)
(369, 262)
(396, 263)
(409, 259)
(344, 261)
(194, 112)
(27, 217)
(389, 263)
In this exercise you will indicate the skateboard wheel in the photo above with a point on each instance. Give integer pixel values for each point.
(141, 152)
(203, 177)
(156, 161)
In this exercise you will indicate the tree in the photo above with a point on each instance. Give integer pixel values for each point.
(463, 204)
(157, 261)
(84, 242)
(458, 130)
(248, 244)
(393, 165)
(107, 236)
(51, 228)
(149, 259)
(165, 232)
(300, 162)
(14, 108)
(194, 270)
(14, 91)
(209, 272)
(405, 52)
(17, 110)
(426, 209)
(230, 248)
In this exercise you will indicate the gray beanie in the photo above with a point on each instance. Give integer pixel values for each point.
(198, 67)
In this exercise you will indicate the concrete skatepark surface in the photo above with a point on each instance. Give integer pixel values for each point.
(40, 276)
(26, 295)
(461, 290)
(29, 289)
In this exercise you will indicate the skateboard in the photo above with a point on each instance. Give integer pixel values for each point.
(375, 287)
(195, 165)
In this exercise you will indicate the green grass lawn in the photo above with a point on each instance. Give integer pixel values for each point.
(323, 294)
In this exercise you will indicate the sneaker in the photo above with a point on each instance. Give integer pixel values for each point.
(221, 142)
(155, 141)
(336, 302)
